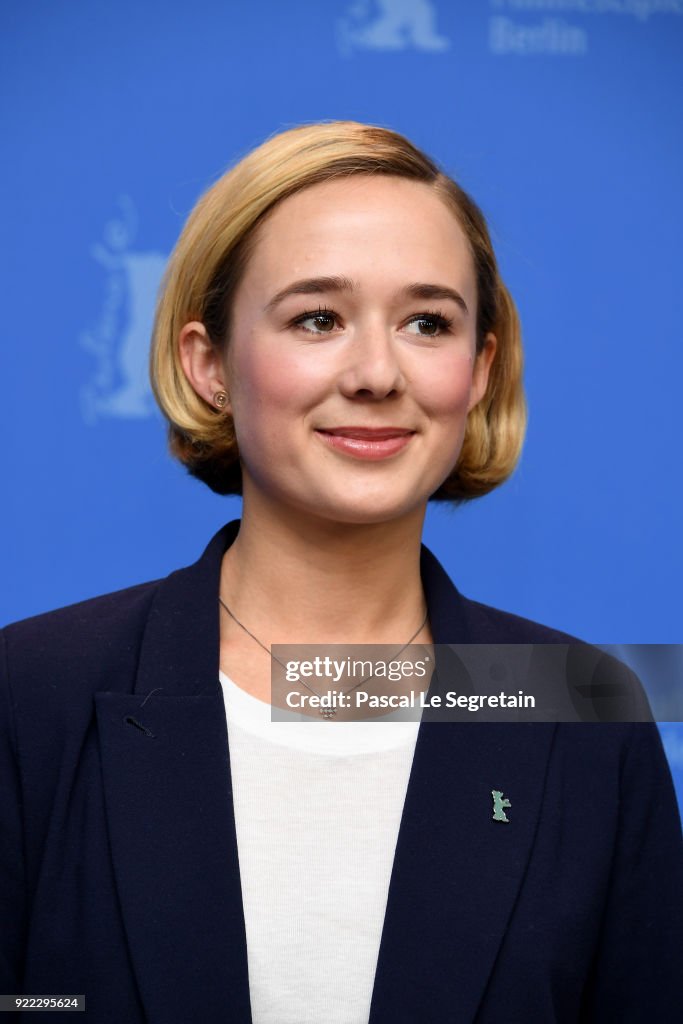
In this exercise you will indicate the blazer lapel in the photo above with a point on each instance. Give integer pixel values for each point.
(169, 805)
(456, 870)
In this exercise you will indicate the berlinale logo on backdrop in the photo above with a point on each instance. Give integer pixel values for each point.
(397, 25)
(119, 341)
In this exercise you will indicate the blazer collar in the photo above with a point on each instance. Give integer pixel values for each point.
(180, 649)
(181, 641)
(166, 772)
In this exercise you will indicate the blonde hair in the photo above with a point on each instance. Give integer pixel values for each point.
(211, 255)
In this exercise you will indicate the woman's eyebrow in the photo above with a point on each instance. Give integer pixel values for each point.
(318, 285)
(435, 291)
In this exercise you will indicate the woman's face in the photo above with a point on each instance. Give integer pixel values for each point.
(351, 359)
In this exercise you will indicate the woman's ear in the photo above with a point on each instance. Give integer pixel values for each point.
(201, 360)
(480, 371)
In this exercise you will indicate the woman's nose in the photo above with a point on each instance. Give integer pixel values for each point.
(372, 368)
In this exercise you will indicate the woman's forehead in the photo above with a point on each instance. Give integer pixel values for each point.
(361, 226)
(360, 198)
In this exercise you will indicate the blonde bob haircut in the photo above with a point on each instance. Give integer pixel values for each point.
(210, 258)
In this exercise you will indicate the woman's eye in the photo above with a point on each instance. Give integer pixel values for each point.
(324, 321)
(321, 322)
(430, 325)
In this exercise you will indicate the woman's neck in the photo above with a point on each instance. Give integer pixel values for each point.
(294, 579)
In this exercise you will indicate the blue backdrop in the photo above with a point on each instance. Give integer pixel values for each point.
(562, 117)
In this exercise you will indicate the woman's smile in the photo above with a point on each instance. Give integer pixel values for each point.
(372, 443)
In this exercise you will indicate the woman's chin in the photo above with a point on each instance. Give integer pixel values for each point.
(368, 510)
(351, 505)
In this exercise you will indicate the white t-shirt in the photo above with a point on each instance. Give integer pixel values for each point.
(318, 806)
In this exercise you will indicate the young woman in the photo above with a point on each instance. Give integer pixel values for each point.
(334, 342)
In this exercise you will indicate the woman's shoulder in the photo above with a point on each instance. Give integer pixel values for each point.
(119, 607)
(78, 641)
(115, 620)
(602, 688)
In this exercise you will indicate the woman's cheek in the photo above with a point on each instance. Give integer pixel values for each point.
(449, 392)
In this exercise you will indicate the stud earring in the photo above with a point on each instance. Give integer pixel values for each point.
(220, 398)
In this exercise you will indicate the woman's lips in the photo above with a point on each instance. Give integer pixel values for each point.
(367, 442)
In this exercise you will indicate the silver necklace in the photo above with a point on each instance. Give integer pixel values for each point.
(325, 712)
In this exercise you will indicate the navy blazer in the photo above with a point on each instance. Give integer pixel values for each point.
(119, 874)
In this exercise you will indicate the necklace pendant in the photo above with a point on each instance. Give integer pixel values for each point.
(328, 712)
